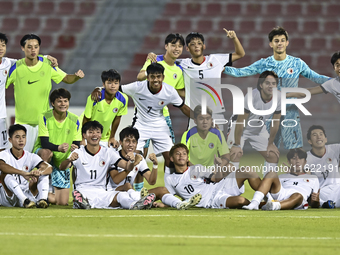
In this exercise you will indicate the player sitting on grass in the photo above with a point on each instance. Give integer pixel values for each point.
(18, 189)
(91, 164)
(108, 109)
(291, 190)
(59, 134)
(217, 190)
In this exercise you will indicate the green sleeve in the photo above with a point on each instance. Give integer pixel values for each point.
(88, 108)
(43, 130)
(11, 78)
(146, 64)
(77, 134)
(223, 148)
(180, 83)
(57, 74)
(123, 110)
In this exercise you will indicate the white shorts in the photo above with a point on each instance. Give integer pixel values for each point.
(4, 144)
(98, 198)
(226, 188)
(284, 194)
(331, 192)
(161, 140)
(31, 136)
(14, 201)
(215, 116)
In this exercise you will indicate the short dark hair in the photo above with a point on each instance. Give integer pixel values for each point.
(198, 111)
(300, 153)
(174, 38)
(277, 31)
(311, 128)
(129, 131)
(334, 58)
(59, 93)
(12, 129)
(263, 77)
(176, 146)
(29, 37)
(91, 125)
(4, 38)
(194, 35)
(110, 75)
(155, 68)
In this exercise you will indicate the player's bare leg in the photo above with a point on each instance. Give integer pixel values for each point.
(61, 196)
(236, 202)
(166, 158)
(293, 201)
(252, 177)
(46, 155)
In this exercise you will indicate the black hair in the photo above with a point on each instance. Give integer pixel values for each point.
(4, 38)
(198, 111)
(29, 37)
(277, 31)
(174, 38)
(91, 125)
(194, 35)
(300, 153)
(12, 129)
(263, 77)
(334, 58)
(310, 129)
(59, 93)
(155, 68)
(129, 131)
(176, 146)
(110, 75)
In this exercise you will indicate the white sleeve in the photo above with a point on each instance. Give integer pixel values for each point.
(129, 89)
(143, 166)
(4, 157)
(224, 59)
(316, 185)
(176, 100)
(12, 60)
(35, 160)
(168, 185)
(327, 86)
(114, 157)
(278, 107)
(246, 102)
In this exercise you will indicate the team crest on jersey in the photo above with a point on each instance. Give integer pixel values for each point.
(306, 180)
(136, 169)
(67, 131)
(210, 65)
(42, 73)
(115, 110)
(4, 73)
(329, 160)
(161, 102)
(290, 71)
(102, 163)
(25, 168)
(175, 76)
(194, 177)
(211, 145)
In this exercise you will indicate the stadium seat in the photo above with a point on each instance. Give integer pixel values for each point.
(253, 9)
(306, 58)
(66, 41)
(245, 61)
(46, 8)
(214, 43)
(333, 10)
(233, 9)
(246, 26)
(291, 26)
(74, 25)
(161, 25)
(172, 9)
(310, 27)
(318, 44)
(331, 27)
(66, 8)
(323, 64)
(130, 75)
(273, 10)
(46, 41)
(293, 9)
(139, 60)
(87, 8)
(6, 7)
(30, 25)
(151, 42)
(227, 24)
(314, 10)
(9, 24)
(256, 43)
(25, 7)
(53, 25)
(183, 26)
(59, 56)
(267, 26)
(204, 26)
(192, 9)
(296, 44)
(213, 9)
(335, 44)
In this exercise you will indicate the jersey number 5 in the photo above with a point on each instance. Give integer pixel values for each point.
(200, 74)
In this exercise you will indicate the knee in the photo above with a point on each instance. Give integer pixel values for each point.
(298, 198)
(46, 154)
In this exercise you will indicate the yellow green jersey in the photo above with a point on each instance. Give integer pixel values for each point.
(32, 86)
(105, 113)
(202, 151)
(58, 133)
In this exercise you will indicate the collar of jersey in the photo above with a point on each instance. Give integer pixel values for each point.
(150, 89)
(311, 151)
(23, 153)
(197, 63)
(277, 61)
(121, 155)
(100, 147)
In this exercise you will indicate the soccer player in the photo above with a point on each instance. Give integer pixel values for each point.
(5, 65)
(109, 109)
(202, 73)
(197, 179)
(91, 164)
(31, 77)
(18, 189)
(59, 134)
(323, 161)
(255, 131)
(288, 69)
(291, 190)
(205, 142)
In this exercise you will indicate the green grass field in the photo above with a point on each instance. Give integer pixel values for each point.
(61, 230)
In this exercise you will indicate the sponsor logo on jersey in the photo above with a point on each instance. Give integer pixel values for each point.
(306, 180)
(175, 76)
(141, 99)
(4, 73)
(161, 102)
(84, 163)
(102, 163)
(211, 145)
(31, 82)
(25, 168)
(290, 71)
(67, 131)
(115, 110)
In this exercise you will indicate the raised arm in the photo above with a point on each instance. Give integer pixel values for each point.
(72, 78)
(239, 51)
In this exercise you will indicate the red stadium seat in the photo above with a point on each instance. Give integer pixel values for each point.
(53, 25)
(151, 42)
(314, 10)
(30, 25)
(46, 41)
(66, 41)
(87, 8)
(25, 7)
(161, 25)
(310, 27)
(172, 9)
(59, 56)
(294, 9)
(6, 7)
(46, 8)
(273, 10)
(130, 75)
(9, 24)
(306, 58)
(66, 8)
(331, 27)
(256, 43)
(296, 44)
(335, 44)
(333, 10)
(183, 26)
(192, 9)
(291, 26)
(233, 9)
(245, 61)
(253, 9)
(323, 64)
(75, 25)
(139, 60)
(213, 9)
(267, 26)
(204, 26)
(214, 43)
(246, 26)
(227, 24)
(318, 44)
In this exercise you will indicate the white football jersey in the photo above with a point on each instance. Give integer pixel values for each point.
(326, 168)
(191, 182)
(304, 184)
(141, 168)
(5, 65)
(149, 106)
(201, 79)
(332, 86)
(26, 162)
(91, 170)
(256, 123)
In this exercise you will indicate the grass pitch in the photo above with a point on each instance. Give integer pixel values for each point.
(61, 230)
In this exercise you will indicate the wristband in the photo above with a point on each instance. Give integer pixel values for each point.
(154, 166)
(237, 145)
(131, 161)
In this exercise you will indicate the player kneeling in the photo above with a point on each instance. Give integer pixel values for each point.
(91, 164)
(27, 187)
(290, 190)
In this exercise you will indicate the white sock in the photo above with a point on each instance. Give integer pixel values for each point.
(124, 200)
(135, 195)
(257, 198)
(276, 206)
(269, 197)
(14, 186)
(170, 200)
(269, 167)
(236, 164)
(43, 187)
